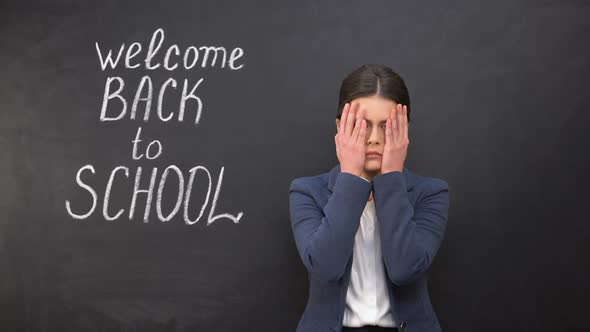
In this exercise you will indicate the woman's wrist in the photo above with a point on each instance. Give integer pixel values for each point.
(353, 172)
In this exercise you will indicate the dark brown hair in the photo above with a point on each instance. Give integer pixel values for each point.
(370, 80)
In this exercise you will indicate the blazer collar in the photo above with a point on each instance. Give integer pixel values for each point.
(408, 176)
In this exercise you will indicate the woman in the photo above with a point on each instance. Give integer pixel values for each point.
(368, 230)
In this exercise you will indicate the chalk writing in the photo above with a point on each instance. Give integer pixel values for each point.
(115, 107)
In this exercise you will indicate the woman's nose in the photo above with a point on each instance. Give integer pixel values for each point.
(374, 134)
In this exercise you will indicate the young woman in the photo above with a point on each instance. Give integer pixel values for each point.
(368, 230)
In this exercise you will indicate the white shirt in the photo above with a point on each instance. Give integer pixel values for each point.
(367, 298)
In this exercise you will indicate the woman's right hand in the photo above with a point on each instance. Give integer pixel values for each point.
(351, 142)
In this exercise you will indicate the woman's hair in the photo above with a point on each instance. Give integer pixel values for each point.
(371, 79)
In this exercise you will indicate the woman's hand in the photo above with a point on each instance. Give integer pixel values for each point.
(396, 140)
(351, 142)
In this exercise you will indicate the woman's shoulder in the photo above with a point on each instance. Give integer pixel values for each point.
(414, 181)
(427, 183)
(310, 182)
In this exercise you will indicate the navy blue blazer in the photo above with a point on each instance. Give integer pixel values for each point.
(325, 213)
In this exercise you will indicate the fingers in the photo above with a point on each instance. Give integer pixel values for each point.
(358, 134)
(405, 124)
(363, 132)
(350, 119)
(352, 123)
(400, 122)
(388, 130)
(343, 118)
(394, 125)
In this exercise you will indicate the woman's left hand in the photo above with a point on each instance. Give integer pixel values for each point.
(396, 140)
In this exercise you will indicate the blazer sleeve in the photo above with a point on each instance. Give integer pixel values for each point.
(325, 236)
(410, 237)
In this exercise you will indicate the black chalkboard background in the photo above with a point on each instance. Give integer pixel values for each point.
(500, 110)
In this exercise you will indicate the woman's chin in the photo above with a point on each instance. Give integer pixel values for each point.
(372, 165)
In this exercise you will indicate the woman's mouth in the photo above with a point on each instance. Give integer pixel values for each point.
(373, 155)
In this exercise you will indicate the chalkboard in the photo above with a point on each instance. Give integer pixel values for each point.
(209, 109)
